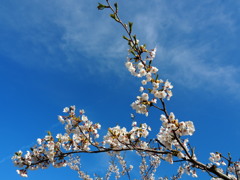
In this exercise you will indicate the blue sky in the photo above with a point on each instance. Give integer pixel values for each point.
(59, 53)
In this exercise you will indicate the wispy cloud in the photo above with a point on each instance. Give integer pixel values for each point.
(189, 35)
(55, 34)
(192, 49)
(188, 67)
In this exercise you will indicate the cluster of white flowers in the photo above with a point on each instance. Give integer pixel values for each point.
(120, 138)
(81, 128)
(22, 173)
(187, 168)
(74, 164)
(79, 135)
(113, 168)
(233, 169)
(148, 169)
(143, 166)
(40, 156)
(171, 128)
(123, 164)
(159, 89)
(237, 167)
(216, 159)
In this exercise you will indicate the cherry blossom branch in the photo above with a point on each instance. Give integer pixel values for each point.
(167, 116)
(169, 145)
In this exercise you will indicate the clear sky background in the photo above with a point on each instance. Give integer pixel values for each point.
(56, 53)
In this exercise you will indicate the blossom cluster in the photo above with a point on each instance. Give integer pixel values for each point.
(82, 129)
(216, 159)
(80, 134)
(187, 168)
(114, 169)
(233, 167)
(120, 138)
(171, 129)
(149, 169)
(158, 89)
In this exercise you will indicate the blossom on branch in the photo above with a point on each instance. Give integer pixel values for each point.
(170, 144)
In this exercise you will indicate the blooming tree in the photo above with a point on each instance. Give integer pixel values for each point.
(170, 144)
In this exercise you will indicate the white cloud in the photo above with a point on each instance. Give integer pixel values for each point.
(69, 32)
(188, 68)
(191, 50)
